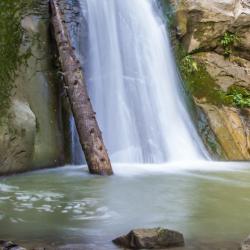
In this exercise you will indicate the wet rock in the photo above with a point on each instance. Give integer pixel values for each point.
(232, 129)
(229, 124)
(200, 23)
(9, 245)
(31, 125)
(225, 73)
(30, 24)
(17, 138)
(154, 238)
(245, 245)
(222, 75)
(37, 84)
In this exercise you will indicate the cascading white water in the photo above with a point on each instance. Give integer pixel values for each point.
(133, 83)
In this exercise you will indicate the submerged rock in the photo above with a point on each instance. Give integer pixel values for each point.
(154, 238)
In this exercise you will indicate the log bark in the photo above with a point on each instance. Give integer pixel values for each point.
(89, 133)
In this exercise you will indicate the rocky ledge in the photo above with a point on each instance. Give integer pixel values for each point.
(212, 41)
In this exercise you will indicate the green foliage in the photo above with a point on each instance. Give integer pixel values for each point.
(240, 97)
(228, 41)
(189, 65)
(200, 84)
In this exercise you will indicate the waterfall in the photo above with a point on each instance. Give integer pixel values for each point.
(133, 83)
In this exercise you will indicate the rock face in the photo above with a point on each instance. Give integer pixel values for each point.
(231, 126)
(17, 138)
(200, 23)
(37, 84)
(155, 238)
(30, 119)
(213, 42)
(226, 73)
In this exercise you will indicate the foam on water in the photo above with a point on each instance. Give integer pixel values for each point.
(7, 188)
(178, 167)
(135, 169)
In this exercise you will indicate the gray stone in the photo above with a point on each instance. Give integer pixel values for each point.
(9, 245)
(200, 23)
(245, 245)
(17, 138)
(154, 238)
(31, 129)
(30, 24)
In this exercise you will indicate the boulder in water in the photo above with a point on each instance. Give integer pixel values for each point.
(9, 245)
(245, 245)
(154, 238)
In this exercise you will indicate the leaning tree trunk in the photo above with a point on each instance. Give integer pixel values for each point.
(89, 133)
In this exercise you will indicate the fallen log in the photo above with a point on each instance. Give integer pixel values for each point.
(89, 133)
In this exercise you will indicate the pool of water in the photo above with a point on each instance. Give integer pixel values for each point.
(208, 202)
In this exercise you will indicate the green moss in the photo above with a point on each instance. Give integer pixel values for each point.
(203, 86)
(10, 40)
(11, 37)
(199, 83)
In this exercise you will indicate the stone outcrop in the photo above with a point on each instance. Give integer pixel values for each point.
(226, 73)
(231, 127)
(200, 23)
(155, 238)
(17, 138)
(213, 42)
(30, 120)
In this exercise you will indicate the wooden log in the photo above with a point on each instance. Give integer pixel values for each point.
(89, 133)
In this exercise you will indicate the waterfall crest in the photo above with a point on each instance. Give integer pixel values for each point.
(133, 83)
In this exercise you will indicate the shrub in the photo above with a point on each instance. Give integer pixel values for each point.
(240, 96)
(228, 41)
(189, 65)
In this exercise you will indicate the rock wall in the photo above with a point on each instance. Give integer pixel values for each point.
(31, 128)
(212, 40)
